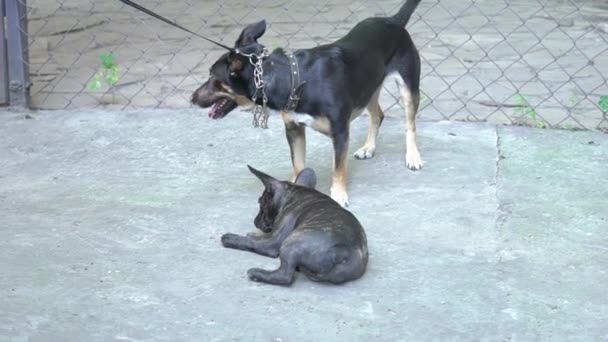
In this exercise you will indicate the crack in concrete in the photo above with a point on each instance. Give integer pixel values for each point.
(502, 209)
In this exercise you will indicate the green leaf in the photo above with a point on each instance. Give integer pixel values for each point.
(112, 76)
(95, 83)
(540, 123)
(107, 60)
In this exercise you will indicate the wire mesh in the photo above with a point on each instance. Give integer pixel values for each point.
(529, 62)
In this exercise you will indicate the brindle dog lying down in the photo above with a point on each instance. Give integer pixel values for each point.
(307, 230)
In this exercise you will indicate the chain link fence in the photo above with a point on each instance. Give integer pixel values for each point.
(532, 62)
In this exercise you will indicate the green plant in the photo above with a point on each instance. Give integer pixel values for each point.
(525, 110)
(108, 72)
(603, 103)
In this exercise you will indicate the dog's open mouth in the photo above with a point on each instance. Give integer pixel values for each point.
(221, 107)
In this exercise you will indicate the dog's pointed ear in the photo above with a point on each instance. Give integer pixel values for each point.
(307, 178)
(251, 33)
(269, 182)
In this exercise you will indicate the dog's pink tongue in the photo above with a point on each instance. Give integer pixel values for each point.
(213, 110)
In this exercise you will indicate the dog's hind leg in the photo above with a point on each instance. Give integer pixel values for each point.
(310, 253)
(284, 275)
(375, 120)
(409, 88)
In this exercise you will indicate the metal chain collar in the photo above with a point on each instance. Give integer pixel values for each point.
(260, 113)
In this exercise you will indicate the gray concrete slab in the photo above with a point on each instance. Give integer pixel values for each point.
(110, 225)
(554, 230)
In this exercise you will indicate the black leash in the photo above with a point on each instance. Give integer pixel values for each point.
(150, 13)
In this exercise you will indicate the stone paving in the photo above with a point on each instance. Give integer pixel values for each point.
(541, 63)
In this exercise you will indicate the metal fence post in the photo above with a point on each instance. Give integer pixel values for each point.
(3, 60)
(18, 71)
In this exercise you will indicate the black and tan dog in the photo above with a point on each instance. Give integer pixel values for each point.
(341, 80)
(307, 230)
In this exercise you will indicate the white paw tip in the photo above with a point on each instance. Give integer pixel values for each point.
(364, 154)
(414, 163)
(414, 167)
(342, 199)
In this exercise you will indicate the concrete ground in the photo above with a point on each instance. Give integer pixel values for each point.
(110, 227)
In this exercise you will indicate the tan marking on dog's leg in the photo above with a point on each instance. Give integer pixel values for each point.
(299, 155)
(411, 103)
(340, 172)
(322, 125)
(339, 191)
(376, 116)
(296, 138)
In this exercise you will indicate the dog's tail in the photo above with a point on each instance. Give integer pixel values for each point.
(406, 11)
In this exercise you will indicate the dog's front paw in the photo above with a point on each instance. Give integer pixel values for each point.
(365, 152)
(339, 195)
(413, 160)
(256, 274)
(231, 240)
